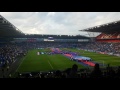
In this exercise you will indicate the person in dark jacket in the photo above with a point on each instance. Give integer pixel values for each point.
(96, 73)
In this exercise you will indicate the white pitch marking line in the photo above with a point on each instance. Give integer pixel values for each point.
(20, 63)
(50, 65)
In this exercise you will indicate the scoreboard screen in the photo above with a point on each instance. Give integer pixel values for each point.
(49, 39)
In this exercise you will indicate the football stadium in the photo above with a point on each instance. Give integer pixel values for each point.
(60, 56)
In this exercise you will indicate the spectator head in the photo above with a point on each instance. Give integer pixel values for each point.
(96, 67)
(75, 67)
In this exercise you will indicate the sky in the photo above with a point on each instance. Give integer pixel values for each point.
(58, 23)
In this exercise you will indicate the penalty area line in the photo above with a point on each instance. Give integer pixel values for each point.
(50, 65)
(19, 65)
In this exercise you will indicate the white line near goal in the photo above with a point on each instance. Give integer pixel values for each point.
(50, 64)
(20, 64)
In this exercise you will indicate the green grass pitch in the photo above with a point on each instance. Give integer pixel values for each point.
(34, 63)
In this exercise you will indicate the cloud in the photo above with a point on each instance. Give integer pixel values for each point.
(63, 23)
(51, 13)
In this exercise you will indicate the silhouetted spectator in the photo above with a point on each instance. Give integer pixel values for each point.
(73, 73)
(118, 72)
(110, 73)
(58, 74)
(67, 71)
(96, 73)
(2, 70)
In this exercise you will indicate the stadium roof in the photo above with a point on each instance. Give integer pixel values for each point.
(54, 36)
(108, 27)
(8, 29)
